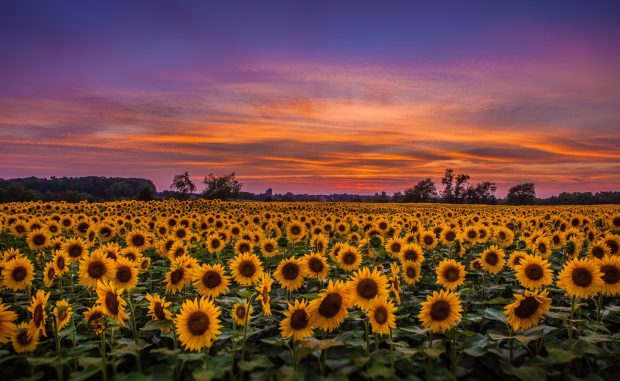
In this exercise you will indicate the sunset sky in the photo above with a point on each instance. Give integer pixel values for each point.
(313, 96)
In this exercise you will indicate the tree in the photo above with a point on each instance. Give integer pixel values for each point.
(221, 187)
(183, 184)
(522, 194)
(423, 191)
(459, 187)
(448, 182)
(146, 194)
(481, 193)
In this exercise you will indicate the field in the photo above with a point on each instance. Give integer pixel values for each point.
(180, 290)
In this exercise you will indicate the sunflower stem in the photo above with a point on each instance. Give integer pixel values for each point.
(104, 364)
(134, 329)
(598, 307)
(59, 368)
(207, 359)
(570, 323)
(367, 335)
(512, 345)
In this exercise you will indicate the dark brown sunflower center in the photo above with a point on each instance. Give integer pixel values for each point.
(111, 302)
(367, 288)
(534, 272)
(502, 236)
(75, 251)
(349, 258)
(331, 305)
(295, 230)
(471, 234)
(290, 271)
(527, 307)
(137, 240)
(299, 319)
(38, 239)
(198, 323)
(105, 232)
(240, 312)
(95, 317)
(611, 274)
(518, 259)
(542, 247)
(450, 236)
(23, 338)
(616, 221)
(315, 265)
(247, 269)
(123, 274)
(395, 247)
(62, 314)
(492, 258)
(83, 227)
(244, 248)
(177, 275)
(613, 245)
(96, 269)
(428, 240)
(381, 315)
(211, 279)
(158, 310)
(60, 263)
(598, 252)
(440, 310)
(19, 273)
(51, 272)
(37, 315)
(411, 255)
(411, 273)
(215, 243)
(582, 277)
(451, 274)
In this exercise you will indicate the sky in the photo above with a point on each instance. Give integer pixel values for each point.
(313, 96)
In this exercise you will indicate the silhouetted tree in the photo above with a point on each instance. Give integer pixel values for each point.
(146, 194)
(481, 193)
(221, 187)
(183, 184)
(448, 182)
(522, 194)
(423, 191)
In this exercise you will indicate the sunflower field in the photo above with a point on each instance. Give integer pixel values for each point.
(171, 290)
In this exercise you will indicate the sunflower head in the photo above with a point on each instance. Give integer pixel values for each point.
(450, 274)
(296, 323)
(527, 309)
(581, 278)
(441, 311)
(198, 324)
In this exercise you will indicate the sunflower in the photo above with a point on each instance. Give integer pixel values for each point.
(269, 247)
(394, 246)
(49, 274)
(613, 242)
(158, 307)
(198, 324)
(246, 268)
(243, 246)
(210, 280)
(610, 267)
(317, 265)
(94, 268)
(319, 242)
(124, 274)
(542, 246)
(598, 250)
(412, 252)
(492, 259)
(441, 311)
(177, 249)
(349, 258)
(330, 308)
(22, 340)
(263, 289)
(581, 278)
(75, 248)
(179, 275)
(427, 240)
(95, 318)
(411, 272)
(7, 323)
(105, 231)
(62, 313)
(527, 309)
(295, 231)
(381, 314)
(131, 253)
(516, 257)
(37, 309)
(290, 273)
(61, 259)
(111, 302)
(38, 239)
(215, 244)
(242, 313)
(296, 323)
(448, 235)
(450, 274)
(504, 236)
(614, 222)
(365, 286)
(534, 272)
(18, 273)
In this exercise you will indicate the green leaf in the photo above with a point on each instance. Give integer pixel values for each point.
(558, 355)
(258, 361)
(493, 314)
(530, 373)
